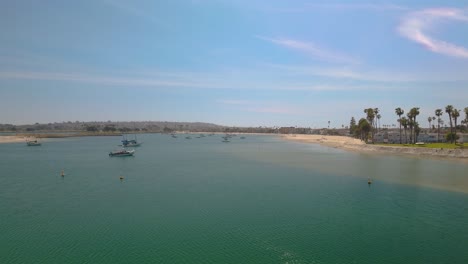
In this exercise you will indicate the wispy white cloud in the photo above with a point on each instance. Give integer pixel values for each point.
(96, 79)
(258, 106)
(241, 81)
(312, 50)
(374, 7)
(416, 24)
(372, 75)
(274, 77)
(311, 7)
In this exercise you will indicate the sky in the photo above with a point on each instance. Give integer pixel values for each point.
(230, 62)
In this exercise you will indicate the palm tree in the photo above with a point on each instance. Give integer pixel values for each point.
(466, 116)
(411, 126)
(370, 117)
(449, 111)
(417, 130)
(455, 115)
(429, 119)
(414, 113)
(378, 119)
(438, 113)
(404, 123)
(409, 115)
(376, 112)
(399, 113)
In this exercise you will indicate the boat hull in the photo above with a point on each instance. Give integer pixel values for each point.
(121, 153)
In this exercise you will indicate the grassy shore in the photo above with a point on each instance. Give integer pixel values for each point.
(427, 145)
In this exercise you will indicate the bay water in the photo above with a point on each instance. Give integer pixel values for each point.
(256, 200)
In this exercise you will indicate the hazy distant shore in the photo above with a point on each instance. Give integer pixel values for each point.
(23, 137)
(352, 144)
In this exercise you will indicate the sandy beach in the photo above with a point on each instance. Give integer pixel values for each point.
(357, 145)
(11, 139)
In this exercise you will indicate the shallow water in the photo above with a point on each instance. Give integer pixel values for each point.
(258, 200)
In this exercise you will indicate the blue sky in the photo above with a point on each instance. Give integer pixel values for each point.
(230, 62)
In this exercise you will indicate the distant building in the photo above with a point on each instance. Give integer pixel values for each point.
(393, 137)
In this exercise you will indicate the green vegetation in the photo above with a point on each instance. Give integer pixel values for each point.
(427, 145)
(451, 137)
(438, 113)
(366, 130)
(399, 113)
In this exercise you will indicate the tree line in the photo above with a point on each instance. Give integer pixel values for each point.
(367, 126)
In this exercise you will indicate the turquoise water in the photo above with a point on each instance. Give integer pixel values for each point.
(258, 200)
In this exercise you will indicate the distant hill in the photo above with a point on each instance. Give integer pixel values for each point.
(144, 126)
(157, 127)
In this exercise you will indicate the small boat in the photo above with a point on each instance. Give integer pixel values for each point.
(121, 153)
(174, 136)
(130, 143)
(33, 143)
(189, 137)
(242, 137)
(369, 181)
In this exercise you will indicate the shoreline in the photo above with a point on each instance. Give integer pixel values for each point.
(12, 139)
(18, 138)
(356, 145)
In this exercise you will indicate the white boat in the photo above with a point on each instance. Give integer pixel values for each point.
(33, 142)
(121, 153)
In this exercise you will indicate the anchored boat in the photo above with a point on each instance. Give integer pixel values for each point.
(33, 143)
(121, 153)
(130, 143)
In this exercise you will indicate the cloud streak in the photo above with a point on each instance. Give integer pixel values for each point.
(312, 50)
(373, 7)
(256, 106)
(312, 7)
(415, 25)
(196, 81)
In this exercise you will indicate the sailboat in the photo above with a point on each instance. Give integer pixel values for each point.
(130, 143)
(33, 142)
